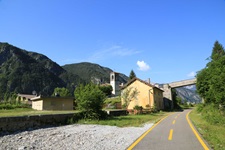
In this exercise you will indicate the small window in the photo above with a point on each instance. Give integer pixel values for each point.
(112, 77)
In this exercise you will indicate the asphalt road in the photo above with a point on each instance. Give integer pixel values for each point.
(172, 133)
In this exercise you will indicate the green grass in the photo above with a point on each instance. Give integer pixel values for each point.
(120, 121)
(213, 134)
(29, 112)
(129, 120)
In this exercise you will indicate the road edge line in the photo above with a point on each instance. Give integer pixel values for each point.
(145, 133)
(196, 132)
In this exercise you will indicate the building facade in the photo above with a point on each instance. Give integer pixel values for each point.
(148, 95)
(52, 103)
(115, 83)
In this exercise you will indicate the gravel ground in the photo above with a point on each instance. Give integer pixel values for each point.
(71, 137)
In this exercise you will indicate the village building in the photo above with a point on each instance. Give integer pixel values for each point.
(25, 98)
(116, 83)
(52, 103)
(148, 96)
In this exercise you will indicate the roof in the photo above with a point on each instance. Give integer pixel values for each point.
(26, 96)
(144, 82)
(52, 97)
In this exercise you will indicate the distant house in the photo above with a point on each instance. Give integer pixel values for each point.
(148, 96)
(52, 103)
(25, 98)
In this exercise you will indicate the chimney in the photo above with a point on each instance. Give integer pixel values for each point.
(149, 81)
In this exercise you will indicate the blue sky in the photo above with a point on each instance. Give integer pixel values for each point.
(165, 40)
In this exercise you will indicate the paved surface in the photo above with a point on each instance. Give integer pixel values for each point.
(173, 133)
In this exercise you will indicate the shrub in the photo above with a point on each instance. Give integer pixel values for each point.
(136, 107)
(90, 100)
(212, 114)
(107, 89)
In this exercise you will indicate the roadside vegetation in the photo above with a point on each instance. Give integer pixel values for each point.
(129, 120)
(211, 130)
(210, 116)
(29, 112)
(10, 102)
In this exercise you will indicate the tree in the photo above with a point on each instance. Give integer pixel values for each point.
(128, 95)
(218, 51)
(63, 92)
(132, 75)
(89, 99)
(211, 80)
(107, 89)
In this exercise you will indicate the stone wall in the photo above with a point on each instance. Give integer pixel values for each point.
(12, 124)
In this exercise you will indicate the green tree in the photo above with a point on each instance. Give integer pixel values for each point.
(128, 95)
(132, 75)
(107, 89)
(218, 51)
(63, 92)
(89, 99)
(211, 80)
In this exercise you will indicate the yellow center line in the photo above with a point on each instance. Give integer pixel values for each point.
(143, 135)
(170, 135)
(174, 121)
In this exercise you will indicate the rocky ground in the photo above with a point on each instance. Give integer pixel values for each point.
(71, 137)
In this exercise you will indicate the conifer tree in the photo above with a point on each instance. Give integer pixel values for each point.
(132, 75)
(211, 80)
(218, 51)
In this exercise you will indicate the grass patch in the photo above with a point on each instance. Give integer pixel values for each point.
(112, 100)
(29, 112)
(214, 134)
(129, 120)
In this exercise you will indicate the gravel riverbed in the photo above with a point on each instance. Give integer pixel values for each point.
(71, 137)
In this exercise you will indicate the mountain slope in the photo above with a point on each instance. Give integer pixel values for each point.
(46, 62)
(188, 95)
(92, 72)
(23, 72)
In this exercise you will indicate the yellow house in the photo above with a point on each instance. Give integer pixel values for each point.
(147, 95)
(52, 103)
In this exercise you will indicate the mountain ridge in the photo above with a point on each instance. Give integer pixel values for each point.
(24, 71)
(86, 72)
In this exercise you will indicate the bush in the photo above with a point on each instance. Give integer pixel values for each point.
(12, 105)
(107, 89)
(136, 107)
(212, 114)
(90, 100)
(200, 107)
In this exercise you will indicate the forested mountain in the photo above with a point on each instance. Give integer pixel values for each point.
(92, 72)
(23, 72)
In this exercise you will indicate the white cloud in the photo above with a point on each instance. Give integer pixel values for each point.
(191, 74)
(142, 66)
